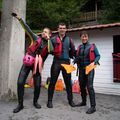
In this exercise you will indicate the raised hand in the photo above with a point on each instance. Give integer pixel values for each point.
(15, 15)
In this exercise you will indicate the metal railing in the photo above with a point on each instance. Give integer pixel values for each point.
(88, 16)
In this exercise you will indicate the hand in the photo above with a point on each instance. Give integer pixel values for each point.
(15, 15)
(93, 63)
(47, 37)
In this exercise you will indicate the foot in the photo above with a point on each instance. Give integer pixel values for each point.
(72, 104)
(36, 105)
(91, 110)
(81, 104)
(49, 104)
(18, 108)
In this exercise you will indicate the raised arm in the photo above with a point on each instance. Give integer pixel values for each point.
(27, 29)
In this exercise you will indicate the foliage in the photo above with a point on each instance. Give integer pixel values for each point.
(111, 11)
(0, 5)
(42, 13)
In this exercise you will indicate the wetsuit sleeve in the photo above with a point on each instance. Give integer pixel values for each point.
(27, 29)
(97, 55)
(77, 57)
(53, 44)
(72, 49)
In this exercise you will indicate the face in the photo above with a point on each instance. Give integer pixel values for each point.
(46, 34)
(62, 29)
(84, 38)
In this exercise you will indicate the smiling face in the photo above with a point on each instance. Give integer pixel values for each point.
(46, 34)
(84, 38)
(62, 29)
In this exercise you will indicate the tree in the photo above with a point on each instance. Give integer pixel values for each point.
(41, 13)
(0, 4)
(111, 11)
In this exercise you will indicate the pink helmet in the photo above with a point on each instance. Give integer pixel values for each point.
(28, 60)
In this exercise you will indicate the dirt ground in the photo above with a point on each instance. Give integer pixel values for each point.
(108, 108)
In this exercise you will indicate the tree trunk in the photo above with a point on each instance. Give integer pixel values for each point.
(12, 42)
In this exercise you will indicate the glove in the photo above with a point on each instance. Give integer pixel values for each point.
(14, 14)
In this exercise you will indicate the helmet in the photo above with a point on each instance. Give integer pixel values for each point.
(28, 60)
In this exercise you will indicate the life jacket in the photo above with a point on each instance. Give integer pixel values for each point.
(34, 46)
(33, 49)
(91, 52)
(58, 47)
(44, 52)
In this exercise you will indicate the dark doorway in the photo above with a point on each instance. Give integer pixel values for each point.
(116, 58)
(116, 44)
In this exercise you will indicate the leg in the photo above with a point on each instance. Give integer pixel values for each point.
(82, 83)
(67, 80)
(91, 92)
(55, 70)
(37, 86)
(20, 86)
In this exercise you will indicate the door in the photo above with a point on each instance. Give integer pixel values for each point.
(116, 58)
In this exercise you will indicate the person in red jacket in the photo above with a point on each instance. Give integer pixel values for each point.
(32, 50)
(64, 49)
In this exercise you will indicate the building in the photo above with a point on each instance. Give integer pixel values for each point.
(107, 39)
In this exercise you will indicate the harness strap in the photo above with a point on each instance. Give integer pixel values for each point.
(39, 62)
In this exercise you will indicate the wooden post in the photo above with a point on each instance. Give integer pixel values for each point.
(96, 10)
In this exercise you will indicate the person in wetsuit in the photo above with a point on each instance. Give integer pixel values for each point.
(64, 49)
(25, 70)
